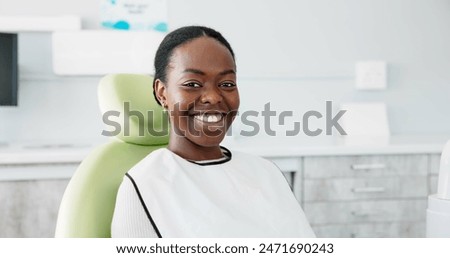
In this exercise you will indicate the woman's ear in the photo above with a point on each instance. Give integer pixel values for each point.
(160, 92)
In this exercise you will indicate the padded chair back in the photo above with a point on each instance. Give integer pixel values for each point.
(138, 126)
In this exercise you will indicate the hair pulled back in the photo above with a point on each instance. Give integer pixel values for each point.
(176, 38)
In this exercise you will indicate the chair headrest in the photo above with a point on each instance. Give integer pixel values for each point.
(130, 111)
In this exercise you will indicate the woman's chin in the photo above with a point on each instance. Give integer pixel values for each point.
(207, 141)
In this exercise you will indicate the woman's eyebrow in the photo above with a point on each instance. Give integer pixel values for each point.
(228, 72)
(196, 71)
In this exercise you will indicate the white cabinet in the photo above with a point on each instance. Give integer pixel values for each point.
(390, 229)
(365, 166)
(30, 195)
(364, 195)
(30, 208)
(99, 52)
(320, 213)
(349, 189)
(35, 23)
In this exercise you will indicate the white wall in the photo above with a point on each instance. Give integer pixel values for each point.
(296, 54)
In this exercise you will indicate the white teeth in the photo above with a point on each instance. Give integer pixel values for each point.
(209, 118)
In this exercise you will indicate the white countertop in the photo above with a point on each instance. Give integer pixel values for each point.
(16, 154)
(31, 161)
(335, 147)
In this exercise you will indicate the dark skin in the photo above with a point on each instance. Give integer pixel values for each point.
(201, 96)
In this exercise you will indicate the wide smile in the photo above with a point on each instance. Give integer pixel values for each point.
(211, 118)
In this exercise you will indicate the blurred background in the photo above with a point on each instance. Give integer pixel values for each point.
(295, 54)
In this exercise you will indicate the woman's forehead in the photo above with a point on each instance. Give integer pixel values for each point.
(204, 53)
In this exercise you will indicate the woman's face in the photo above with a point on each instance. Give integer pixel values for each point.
(201, 92)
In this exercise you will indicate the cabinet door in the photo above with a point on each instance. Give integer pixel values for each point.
(394, 229)
(364, 166)
(366, 196)
(30, 208)
(321, 213)
(371, 188)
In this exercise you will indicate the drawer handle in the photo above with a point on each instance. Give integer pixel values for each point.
(373, 234)
(366, 213)
(368, 166)
(369, 190)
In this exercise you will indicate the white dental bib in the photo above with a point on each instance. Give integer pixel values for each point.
(242, 196)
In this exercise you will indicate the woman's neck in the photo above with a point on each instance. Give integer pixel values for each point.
(187, 149)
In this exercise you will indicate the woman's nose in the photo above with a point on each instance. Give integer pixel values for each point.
(211, 95)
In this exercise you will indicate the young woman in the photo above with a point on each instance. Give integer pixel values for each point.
(195, 187)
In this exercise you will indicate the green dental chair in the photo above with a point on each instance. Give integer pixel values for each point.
(87, 207)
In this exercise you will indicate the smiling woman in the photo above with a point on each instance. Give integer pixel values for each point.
(201, 94)
(195, 187)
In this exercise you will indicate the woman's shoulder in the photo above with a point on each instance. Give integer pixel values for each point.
(153, 156)
(152, 160)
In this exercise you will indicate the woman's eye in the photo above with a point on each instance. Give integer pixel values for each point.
(192, 84)
(227, 84)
